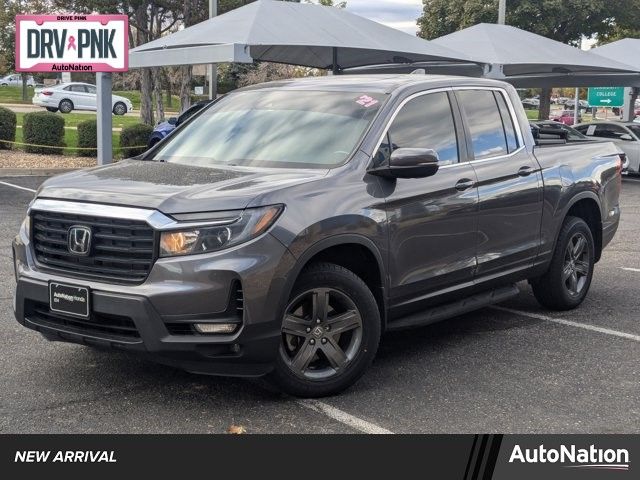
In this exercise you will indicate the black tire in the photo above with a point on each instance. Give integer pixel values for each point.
(337, 360)
(52, 109)
(119, 109)
(153, 142)
(65, 106)
(555, 289)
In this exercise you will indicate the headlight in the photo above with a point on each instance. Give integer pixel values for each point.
(252, 223)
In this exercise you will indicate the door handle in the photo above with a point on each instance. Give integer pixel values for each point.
(525, 171)
(464, 184)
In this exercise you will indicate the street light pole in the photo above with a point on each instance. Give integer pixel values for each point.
(213, 68)
(502, 12)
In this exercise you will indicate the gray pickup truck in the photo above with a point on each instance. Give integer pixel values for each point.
(281, 230)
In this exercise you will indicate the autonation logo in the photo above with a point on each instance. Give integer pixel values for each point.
(574, 457)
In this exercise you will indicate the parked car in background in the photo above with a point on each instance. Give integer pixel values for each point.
(565, 117)
(531, 103)
(572, 134)
(583, 104)
(16, 80)
(165, 128)
(287, 226)
(626, 135)
(67, 97)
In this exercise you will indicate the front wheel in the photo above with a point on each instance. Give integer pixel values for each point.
(330, 332)
(119, 108)
(52, 109)
(567, 282)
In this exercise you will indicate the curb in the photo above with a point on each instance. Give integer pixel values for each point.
(42, 172)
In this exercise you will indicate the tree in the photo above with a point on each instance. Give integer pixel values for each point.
(329, 3)
(8, 11)
(562, 20)
(566, 21)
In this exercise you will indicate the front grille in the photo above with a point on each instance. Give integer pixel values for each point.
(101, 325)
(121, 250)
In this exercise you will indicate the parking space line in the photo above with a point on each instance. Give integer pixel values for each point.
(569, 323)
(629, 269)
(343, 417)
(18, 187)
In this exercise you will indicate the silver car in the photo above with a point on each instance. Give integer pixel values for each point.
(16, 80)
(67, 97)
(625, 135)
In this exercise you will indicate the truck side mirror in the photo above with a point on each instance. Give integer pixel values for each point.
(172, 120)
(409, 163)
(626, 137)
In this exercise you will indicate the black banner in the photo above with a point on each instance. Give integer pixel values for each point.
(460, 457)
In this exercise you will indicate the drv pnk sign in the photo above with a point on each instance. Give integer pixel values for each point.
(606, 97)
(72, 43)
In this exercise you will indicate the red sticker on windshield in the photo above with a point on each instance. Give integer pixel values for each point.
(366, 101)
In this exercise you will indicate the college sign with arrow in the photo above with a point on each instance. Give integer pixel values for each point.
(606, 97)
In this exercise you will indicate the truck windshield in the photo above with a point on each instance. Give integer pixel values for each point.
(267, 128)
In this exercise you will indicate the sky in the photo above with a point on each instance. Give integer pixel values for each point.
(400, 14)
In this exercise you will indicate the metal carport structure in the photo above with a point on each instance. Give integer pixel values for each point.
(526, 59)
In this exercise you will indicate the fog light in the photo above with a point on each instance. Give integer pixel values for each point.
(216, 327)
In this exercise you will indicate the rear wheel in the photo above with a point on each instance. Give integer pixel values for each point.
(330, 332)
(567, 282)
(65, 106)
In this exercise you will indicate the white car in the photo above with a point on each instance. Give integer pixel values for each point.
(67, 97)
(625, 135)
(16, 80)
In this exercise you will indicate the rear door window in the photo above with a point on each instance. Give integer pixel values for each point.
(507, 122)
(488, 138)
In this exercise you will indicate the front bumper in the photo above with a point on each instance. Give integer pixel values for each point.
(154, 318)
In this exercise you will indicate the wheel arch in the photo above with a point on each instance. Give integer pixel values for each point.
(587, 207)
(353, 252)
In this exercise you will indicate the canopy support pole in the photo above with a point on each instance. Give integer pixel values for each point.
(576, 106)
(629, 108)
(105, 119)
(335, 67)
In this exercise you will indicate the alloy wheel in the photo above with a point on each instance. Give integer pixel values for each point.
(577, 265)
(321, 333)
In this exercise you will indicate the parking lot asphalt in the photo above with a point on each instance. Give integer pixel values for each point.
(513, 369)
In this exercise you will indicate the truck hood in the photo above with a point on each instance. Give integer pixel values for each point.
(173, 188)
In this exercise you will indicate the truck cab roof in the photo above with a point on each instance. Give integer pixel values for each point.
(374, 83)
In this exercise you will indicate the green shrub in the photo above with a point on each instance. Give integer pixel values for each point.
(7, 128)
(88, 138)
(43, 128)
(136, 135)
